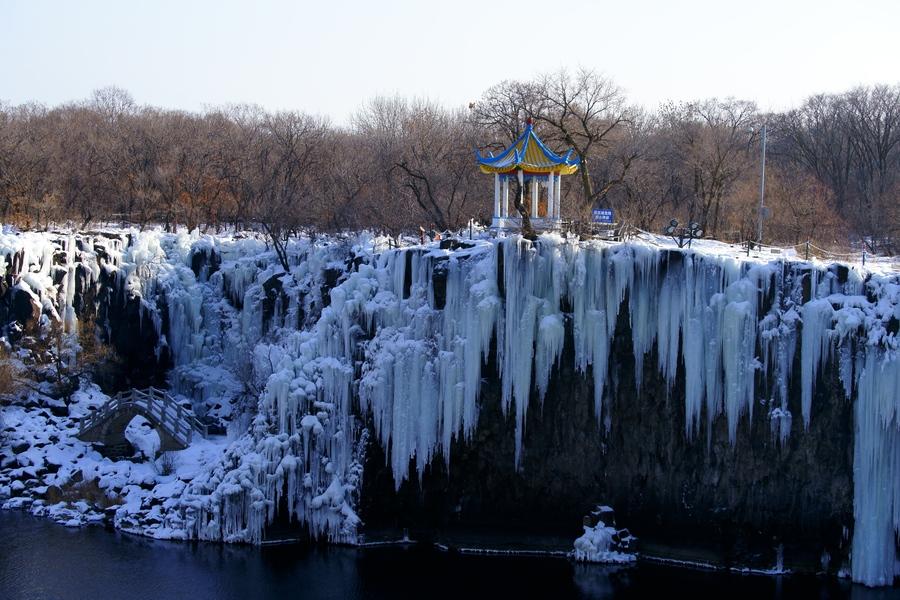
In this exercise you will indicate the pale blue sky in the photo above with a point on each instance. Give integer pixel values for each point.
(328, 57)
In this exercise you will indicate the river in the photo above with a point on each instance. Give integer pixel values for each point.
(40, 559)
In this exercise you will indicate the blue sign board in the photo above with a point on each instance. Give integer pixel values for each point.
(602, 215)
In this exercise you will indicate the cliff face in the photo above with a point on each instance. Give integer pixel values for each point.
(701, 500)
(724, 405)
(719, 404)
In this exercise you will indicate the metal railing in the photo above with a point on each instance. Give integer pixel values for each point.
(157, 406)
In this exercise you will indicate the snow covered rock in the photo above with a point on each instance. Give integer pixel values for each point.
(145, 439)
(596, 546)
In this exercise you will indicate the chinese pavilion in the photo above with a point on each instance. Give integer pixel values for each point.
(536, 167)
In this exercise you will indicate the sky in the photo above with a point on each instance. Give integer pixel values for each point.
(328, 57)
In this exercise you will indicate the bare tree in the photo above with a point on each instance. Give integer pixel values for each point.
(652, 188)
(816, 137)
(287, 166)
(712, 139)
(851, 143)
(26, 166)
(874, 119)
(503, 108)
(802, 207)
(584, 110)
(403, 163)
(426, 151)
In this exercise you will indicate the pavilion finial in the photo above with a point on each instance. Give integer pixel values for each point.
(529, 121)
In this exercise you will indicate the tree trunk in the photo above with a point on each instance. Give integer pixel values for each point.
(586, 184)
(522, 209)
(279, 245)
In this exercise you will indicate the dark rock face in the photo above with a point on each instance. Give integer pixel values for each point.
(128, 326)
(123, 320)
(23, 308)
(236, 300)
(700, 499)
(331, 278)
(204, 263)
(274, 301)
(16, 307)
(439, 284)
(408, 272)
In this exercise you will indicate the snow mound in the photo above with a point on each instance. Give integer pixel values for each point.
(145, 439)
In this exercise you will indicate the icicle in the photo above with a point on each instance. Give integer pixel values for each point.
(549, 349)
(876, 469)
(816, 316)
(737, 361)
(693, 346)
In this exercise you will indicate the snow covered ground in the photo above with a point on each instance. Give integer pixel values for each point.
(300, 365)
(42, 465)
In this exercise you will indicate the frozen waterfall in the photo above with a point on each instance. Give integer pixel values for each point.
(397, 346)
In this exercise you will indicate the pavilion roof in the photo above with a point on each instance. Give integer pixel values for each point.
(529, 154)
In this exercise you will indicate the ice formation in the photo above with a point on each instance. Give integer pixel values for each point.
(398, 341)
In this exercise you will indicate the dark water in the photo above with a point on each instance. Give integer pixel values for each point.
(39, 559)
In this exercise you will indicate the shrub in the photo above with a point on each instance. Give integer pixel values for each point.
(87, 490)
(167, 463)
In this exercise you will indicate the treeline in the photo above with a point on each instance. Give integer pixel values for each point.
(832, 169)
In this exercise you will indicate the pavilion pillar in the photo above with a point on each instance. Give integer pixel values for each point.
(558, 198)
(551, 187)
(534, 197)
(496, 195)
(504, 203)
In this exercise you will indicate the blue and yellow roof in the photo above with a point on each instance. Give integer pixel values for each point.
(529, 154)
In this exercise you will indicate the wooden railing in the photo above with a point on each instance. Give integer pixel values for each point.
(157, 406)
